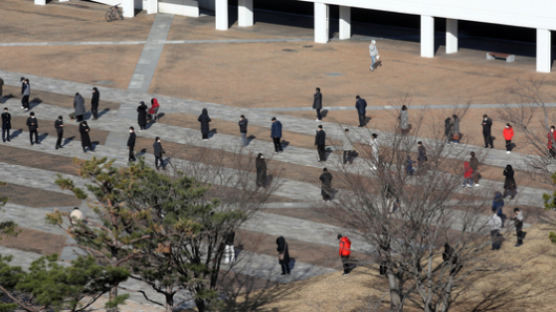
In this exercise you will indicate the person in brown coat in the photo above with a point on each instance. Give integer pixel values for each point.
(474, 162)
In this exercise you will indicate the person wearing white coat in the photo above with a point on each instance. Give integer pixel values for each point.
(374, 150)
(347, 146)
(373, 52)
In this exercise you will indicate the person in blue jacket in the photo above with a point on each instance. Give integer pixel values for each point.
(276, 134)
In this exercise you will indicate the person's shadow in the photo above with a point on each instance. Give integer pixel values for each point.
(94, 145)
(211, 133)
(34, 102)
(15, 134)
(324, 113)
(104, 111)
(284, 144)
(68, 140)
(5, 98)
(141, 153)
(367, 120)
(42, 136)
(250, 138)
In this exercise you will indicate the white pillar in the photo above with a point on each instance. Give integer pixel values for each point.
(427, 36)
(451, 36)
(245, 17)
(221, 12)
(152, 6)
(544, 59)
(128, 8)
(345, 22)
(321, 17)
(40, 2)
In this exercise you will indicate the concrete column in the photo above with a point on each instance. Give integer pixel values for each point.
(40, 2)
(544, 59)
(245, 17)
(451, 36)
(345, 22)
(128, 8)
(427, 36)
(221, 12)
(152, 6)
(321, 17)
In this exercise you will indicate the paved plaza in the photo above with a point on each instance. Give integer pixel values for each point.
(268, 70)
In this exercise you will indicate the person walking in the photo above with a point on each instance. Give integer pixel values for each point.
(375, 57)
(229, 250)
(86, 143)
(487, 131)
(79, 107)
(260, 165)
(320, 142)
(495, 224)
(142, 115)
(455, 128)
(552, 142)
(204, 119)
(467, 174)
(6, 125)
(498, 205)
(361, 106)
(283, 255)
(345, 252)
(374, 151)
(276, 134)
(26, 93)
(317, 103)
(131, 144)
(158, 152)
(59, 126)
(449, 129)
(94, 103)
(347, 146)
(510, 187)
(518, 222)
(404, 120)
(326, 185)
(33, 125)
(422, 155)
(153, 110)
(474, 163)
(508, 133)
(242, 123)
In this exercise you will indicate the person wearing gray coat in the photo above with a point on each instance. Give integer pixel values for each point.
(347, 146)
(79, 107)
(404, 120)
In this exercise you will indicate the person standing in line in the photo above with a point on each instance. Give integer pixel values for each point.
(242, 123)
(229, 251)
(94, 103)
(498, 205)
(283, 255)
(1, 87)
(345, 252)
(6, 125)
(326, 185)
(22, 81)
(487, 132)
(158, 151)
(508, 136)
(347, 147)
(404, 120)
(25, 92)
(374, 151)
(495, 224)
(153, 110)
(409, 170)
(260, 165)
(467, 174)
(449, 129)
(361, 106)
(510, 187)
(373, 52)
(59, 126)
(276, 134)
(142, 116)
(474, 163)
(320, 142)
(79, 107)
(518, 222)
(86, 143)
(422, 155)
(455, 128)
(204, 119)
(131, 144)
(552, 141)
(317, 103)
(33, 125)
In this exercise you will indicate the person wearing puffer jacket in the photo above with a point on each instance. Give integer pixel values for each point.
(508, 135)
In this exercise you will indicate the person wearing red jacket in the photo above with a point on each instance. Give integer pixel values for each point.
(345, 252)
(552, 141)
(153, 111)
(467, 174)
(508, 135)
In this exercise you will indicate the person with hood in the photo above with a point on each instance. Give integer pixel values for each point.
(474, 163)
(320, 142)
(260, 165)
(375, 58)
(153, 110)
(467, 174)
(508, 133)
(347, 146)
(33, 125)
(86, 143)
(449, 129)
(497, 205)
(283, 255)
(487, 132)
(131, 144)
(6, 125)
(276, 134)
(345, 251)
(26, 93)
(552, 141)
(404, 120)
(59, 126)
(94, 103)
(158, 152)
(510, 187)
(326, 185)
(317, 103)
(79, 107)
(204, 119)
(142, 115)
(361, 106)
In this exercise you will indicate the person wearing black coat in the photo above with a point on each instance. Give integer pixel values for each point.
(131, 144)
(204, 119)
(283, 255)
(86, 143)
(94, 103)
(33, 125)
(361, 106)
(487, 133)
(326, 184)
(320, 142)
(1, 87)
(317, 103)
(6, 125)
(510, 187)
(59, 126)
(142, 115)
(158, 152)
(242, 123)
(260, 164)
